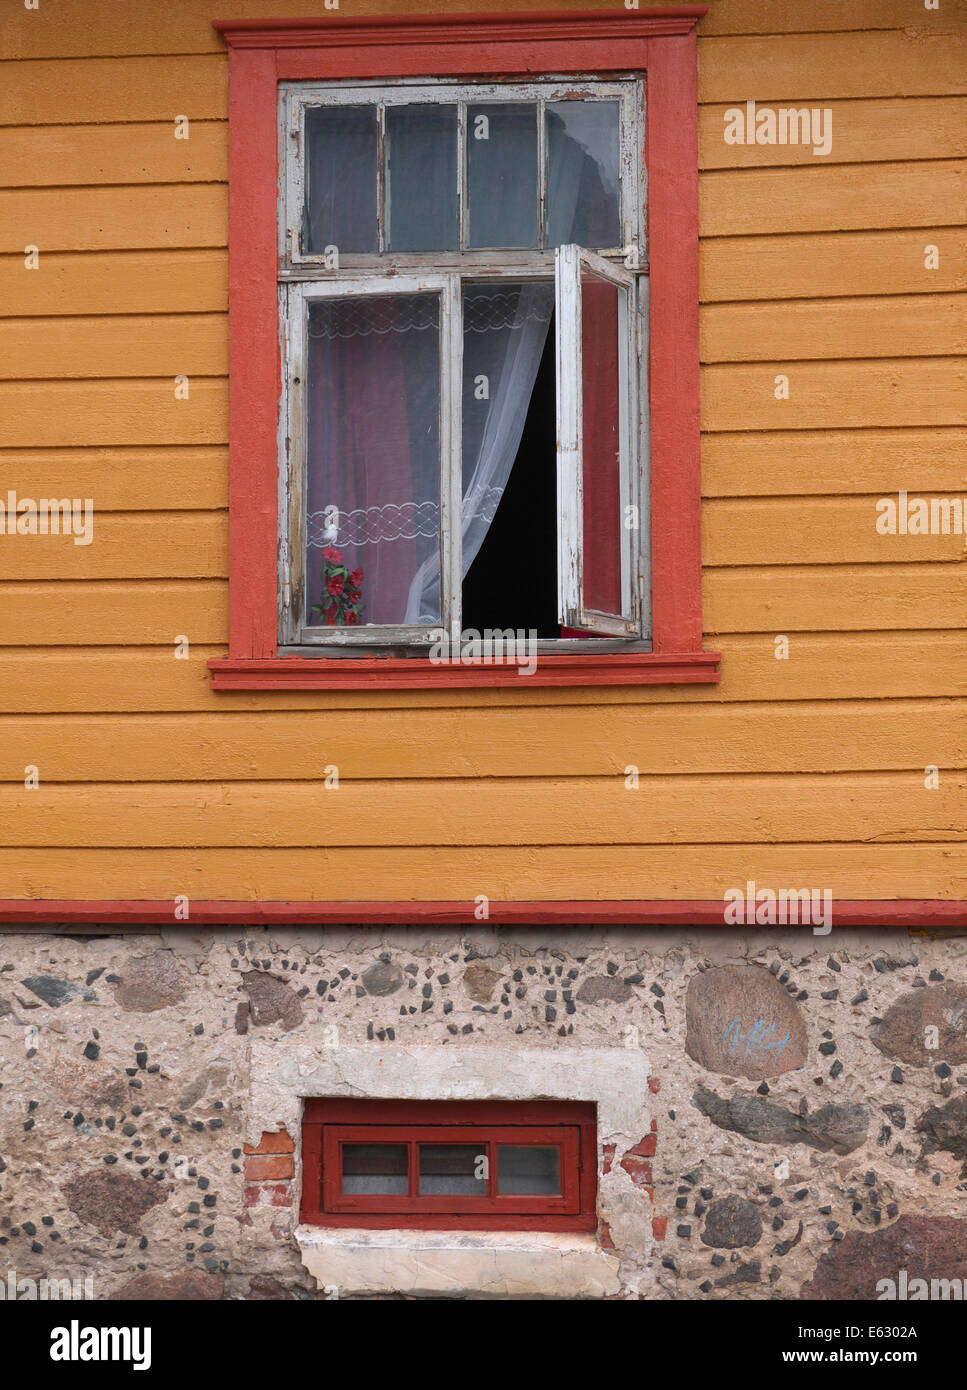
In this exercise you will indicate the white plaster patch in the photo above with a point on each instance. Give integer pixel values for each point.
(615, 1078)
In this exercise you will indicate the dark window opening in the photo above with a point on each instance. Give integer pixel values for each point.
(512, 583)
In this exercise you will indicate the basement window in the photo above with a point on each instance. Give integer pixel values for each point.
(450, 1165)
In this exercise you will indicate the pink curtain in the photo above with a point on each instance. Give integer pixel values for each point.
(373, 444)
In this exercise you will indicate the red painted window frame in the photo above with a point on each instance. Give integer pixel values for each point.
(328, 1123)
(261, 54)
(487, 1137)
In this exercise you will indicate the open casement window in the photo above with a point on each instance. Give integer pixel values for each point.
(424, 359)
(598, 518)
(497, 1165)
(438, 341)
(463, 303)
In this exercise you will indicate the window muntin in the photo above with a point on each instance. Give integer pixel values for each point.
(450, 1164)
(400, 559)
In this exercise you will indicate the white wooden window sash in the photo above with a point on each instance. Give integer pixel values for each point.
(305, 278)
(296, 99)
(573, 611)
(297, 628)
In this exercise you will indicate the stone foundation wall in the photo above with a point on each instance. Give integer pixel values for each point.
(805, 1098)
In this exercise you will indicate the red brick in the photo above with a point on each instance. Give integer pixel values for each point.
(272, 1143)
(252, 1196)
(265, 1166)
(609, 1152)
(654, 1085)
(659, 1225)
(604, 1235)
(638, 1169)
(280, 1196)
(645, 1148)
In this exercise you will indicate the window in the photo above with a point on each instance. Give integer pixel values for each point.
(450, 1165)
(464, 350)
(462, 378)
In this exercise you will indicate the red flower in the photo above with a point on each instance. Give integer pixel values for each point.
(352, 619)
(332, 555)
(356, 577)
(334, 584)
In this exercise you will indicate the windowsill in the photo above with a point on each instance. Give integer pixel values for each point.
(354, 1263)
(405, 673)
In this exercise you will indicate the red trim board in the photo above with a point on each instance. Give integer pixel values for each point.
(884, 912)
(658, 42)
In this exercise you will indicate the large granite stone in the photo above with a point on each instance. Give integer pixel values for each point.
(732, 1222)
(740, 1021)
(480, 981)
(272, 1001)
(604, 987)
(903, 1033)
(833, 1128)
(384, 976)
(922, 1247)
(112, 1201)
(56, 992)
(945, 1127)
(191, 1286)
(151, 982)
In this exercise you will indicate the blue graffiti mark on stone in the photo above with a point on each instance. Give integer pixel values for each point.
(756, 1039)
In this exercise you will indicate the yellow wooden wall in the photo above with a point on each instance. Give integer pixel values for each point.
(805, 772)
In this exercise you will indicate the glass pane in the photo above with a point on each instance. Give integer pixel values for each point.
(453, 1170)
(604, 536)
(502, 175)
(375, 1168)
(583, 184)
(531, 1171)
(421, 178)
(341, 166)
(373, 461)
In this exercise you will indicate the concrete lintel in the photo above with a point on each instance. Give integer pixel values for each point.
(616, 1078)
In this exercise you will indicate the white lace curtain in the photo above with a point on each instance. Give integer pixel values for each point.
(504, 335)
(374, 461)
(374, 476)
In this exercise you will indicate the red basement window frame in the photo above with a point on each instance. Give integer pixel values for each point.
(659, 45)
(450, 1165)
